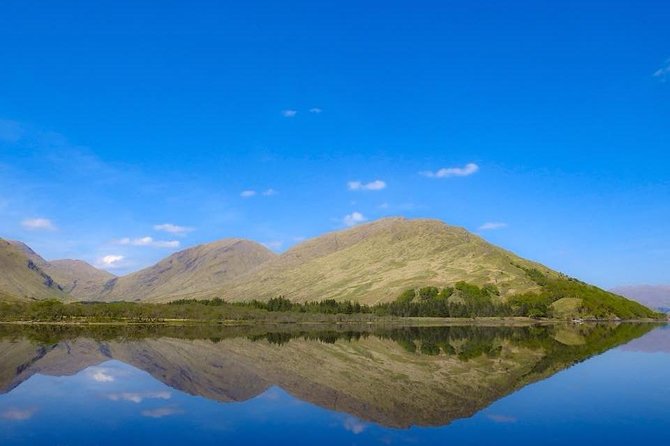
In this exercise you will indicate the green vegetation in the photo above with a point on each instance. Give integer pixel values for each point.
(559, 298)
(595, 302)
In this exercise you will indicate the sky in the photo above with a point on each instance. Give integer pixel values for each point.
(130, 130)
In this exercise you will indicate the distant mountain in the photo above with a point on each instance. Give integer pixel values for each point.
(653, 296)
(77, 278)
(204, 267)
(22, 278)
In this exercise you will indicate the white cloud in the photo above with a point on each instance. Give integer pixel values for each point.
(18, 414)
(161, 412)
(372, 185)
(354, 425)
(38, 224)
(447, 172)
(492, 225)
(247, 193)
(353, 219)
(149, 241)
(275, 244)
(664, 72)
(289, 113)
(111, 261)
(138, 397)
(270, 192)
(173, 229)
(316, 110)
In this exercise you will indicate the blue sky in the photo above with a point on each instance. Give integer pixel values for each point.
(550, 121)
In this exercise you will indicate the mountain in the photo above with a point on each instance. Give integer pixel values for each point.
(369, 264)
(204, 267)
(375, 262)
(77, 278)
(653, 296)
(22, 278)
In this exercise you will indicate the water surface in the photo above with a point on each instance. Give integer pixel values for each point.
(447, 385)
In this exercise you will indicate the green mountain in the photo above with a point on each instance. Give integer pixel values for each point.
(22, 278)
(204, 267)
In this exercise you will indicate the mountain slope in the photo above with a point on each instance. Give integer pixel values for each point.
(78, 279)
(204, 267)
(375, 262)
(22, 278)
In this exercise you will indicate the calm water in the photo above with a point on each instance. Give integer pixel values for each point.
(458, 385)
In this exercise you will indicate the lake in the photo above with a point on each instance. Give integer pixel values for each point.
(553, 384)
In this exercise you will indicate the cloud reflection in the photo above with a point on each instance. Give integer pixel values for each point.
(138, 397)
(18, 414)
(354, 425)
(161, 412)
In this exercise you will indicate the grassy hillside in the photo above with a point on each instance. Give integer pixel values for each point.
(21, 278)
(447, 271)
(77, 278)
(375, 262)
(204, 267)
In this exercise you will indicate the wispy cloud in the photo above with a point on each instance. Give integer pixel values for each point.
(447, 172)
(15, 414)
(316, 110)
(111, 261)
(289, 113)
(38, 224)
(664, 72)
(173, 229)
(161, 412)
(492, 225)
(138, 397)
(372, 185)
(353, 219)
(274, 245)
(252, 193)
(149, 242)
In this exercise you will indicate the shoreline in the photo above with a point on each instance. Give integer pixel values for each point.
(397, 322)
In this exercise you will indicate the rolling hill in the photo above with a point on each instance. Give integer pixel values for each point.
(77, 278)
(204, 267)
(22, 278)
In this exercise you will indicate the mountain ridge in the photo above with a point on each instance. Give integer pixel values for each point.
(371, 263)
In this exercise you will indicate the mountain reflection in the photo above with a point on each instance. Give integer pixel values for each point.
(396, 377)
